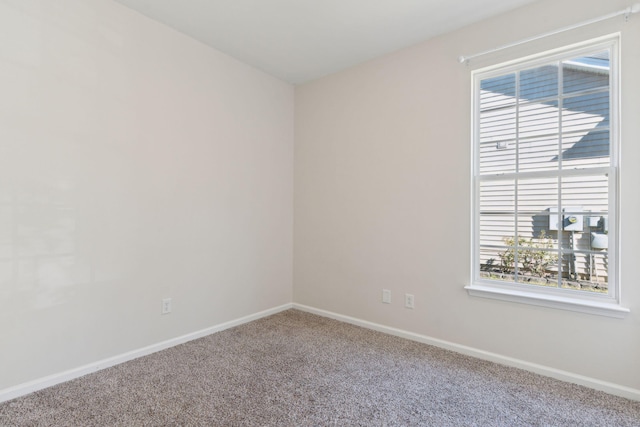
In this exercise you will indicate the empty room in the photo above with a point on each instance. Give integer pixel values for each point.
(319, 213)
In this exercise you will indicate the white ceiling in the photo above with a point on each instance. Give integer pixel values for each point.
(301, 40)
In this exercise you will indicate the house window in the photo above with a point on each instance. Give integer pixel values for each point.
(545, 143)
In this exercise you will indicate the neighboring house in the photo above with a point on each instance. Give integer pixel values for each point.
(572, 135)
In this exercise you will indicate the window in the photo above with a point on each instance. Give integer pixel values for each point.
(545, 144)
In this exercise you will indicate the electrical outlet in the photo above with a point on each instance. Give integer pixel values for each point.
(166, 306)
(386, 296)
(409, 300)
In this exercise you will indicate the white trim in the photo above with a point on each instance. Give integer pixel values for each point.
(51, 380)
(607, 387)
(549, 55)
(548, 300)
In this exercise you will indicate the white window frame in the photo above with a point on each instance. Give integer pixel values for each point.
(573, 300)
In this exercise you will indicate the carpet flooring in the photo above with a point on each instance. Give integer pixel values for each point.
(299, 369)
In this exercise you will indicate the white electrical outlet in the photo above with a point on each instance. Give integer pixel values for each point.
(166, 306)
(409, 300)
(386, 296)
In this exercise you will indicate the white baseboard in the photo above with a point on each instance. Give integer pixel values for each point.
(41, 383)
(607, 387)
(51, 380)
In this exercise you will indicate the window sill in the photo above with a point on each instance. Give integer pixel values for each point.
(552, 301)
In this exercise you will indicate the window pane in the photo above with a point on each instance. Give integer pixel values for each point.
(585, 113)
(498, 125)
(537, 265)
(537, 248)
(586, 149)
(538, 119)
(585, 271)
(535, 196)
(527, 265)
(497, 157)
(595, 276)
(497, 197)
(538, 83)
(494, 229)
(538, 154)
(584, 194)
(494, 265)
(498, 92)
(585, 72)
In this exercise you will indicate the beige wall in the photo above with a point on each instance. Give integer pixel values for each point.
(135, 164)
(382, 197)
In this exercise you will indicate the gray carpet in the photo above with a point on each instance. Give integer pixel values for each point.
(298, 369)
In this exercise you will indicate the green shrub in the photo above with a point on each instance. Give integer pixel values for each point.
(532, 256)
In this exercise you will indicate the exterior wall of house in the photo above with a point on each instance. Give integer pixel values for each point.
(136, 164)
(562, 105)
(383, 197)
(582, 125)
